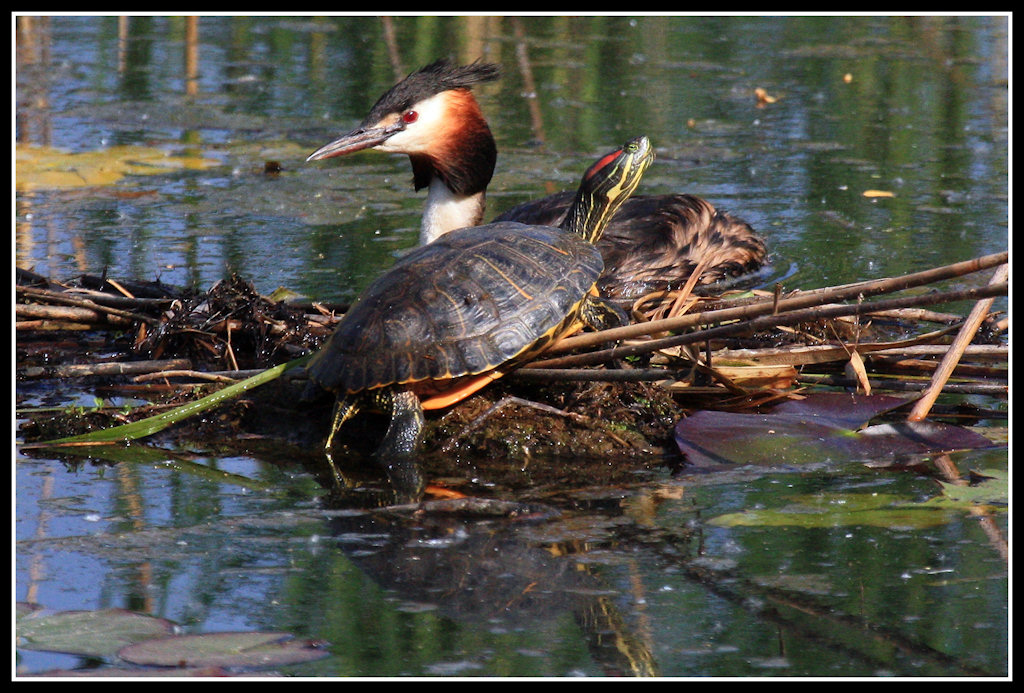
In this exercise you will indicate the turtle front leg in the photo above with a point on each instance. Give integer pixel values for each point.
(600, 313)
(397, 452)
(403, 434)
(403, 406)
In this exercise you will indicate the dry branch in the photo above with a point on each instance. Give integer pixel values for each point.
(795, 301)
(792, 317)
(85, 306)
(952, 357)
(70, 314)
(990, 389)
(611, 375)
(101, 369)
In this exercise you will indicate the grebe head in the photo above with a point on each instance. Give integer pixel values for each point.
(431, 116)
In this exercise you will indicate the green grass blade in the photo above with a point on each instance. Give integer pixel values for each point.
(154, 424)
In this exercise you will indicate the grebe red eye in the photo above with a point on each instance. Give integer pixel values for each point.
(410, 117)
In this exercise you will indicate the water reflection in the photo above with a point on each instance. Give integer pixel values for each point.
(488, 574)
(630, 579)
(652, 586)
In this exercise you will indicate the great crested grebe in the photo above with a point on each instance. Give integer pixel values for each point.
(654, 242)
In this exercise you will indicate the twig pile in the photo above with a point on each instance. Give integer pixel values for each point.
(217, 335)
(750, 347)
(812, 332)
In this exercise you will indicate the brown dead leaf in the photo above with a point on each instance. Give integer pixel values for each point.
(855, 369)
(764, 98)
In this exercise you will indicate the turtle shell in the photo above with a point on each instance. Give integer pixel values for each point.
(465, 304)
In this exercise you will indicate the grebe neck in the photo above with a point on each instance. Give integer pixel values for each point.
(446, 210)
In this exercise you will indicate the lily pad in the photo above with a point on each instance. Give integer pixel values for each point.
(841, 510)
(48, 168)
(231, 649)
(991, 488)
(111, 672)
(821, 427)
(98, 633)
(877, 509)
(839, 408)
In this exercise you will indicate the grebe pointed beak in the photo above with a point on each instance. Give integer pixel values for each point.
(357, 140)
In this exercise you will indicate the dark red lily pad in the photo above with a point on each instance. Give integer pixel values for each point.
(248, 650)
(820, 428)
(840, 409)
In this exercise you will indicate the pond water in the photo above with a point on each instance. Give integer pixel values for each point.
(160, 175)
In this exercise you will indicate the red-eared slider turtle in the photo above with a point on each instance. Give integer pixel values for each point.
(455, 314)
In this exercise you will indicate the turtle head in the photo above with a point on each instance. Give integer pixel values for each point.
(606, 185)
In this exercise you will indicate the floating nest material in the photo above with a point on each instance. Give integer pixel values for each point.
(581, 398)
